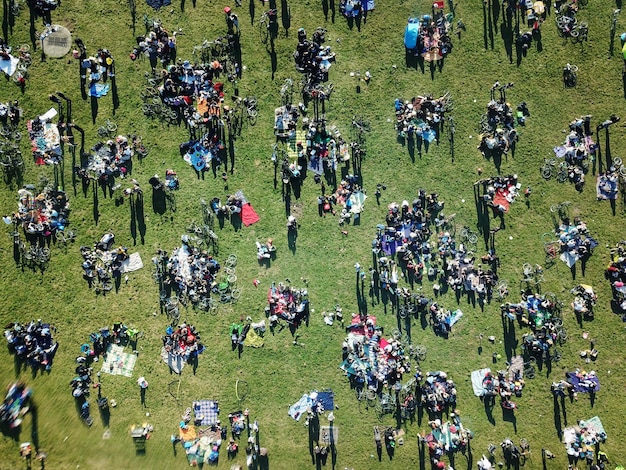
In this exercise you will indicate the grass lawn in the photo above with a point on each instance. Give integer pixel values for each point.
(279, 373)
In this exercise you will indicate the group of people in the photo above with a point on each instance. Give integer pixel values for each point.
(312, 58)
(372, 362)
(10, 114)
(428, 37)
(15, 405)
(100, 340)
(575, 241)
(191, 272)
(103, 261)
(42, 215)
(577, 151)
(289, 304)
(158, 45)
(498, 133)
(446, 438)
(421, 116)
(438, 393)
(183, 341)
(33, 343)
(616, 274)
(109, 160)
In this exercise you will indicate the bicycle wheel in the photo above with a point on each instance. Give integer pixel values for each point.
(617, 162)
(111, 126)
(546, 172)
(472, 238)
(420, 353)
(235, 294)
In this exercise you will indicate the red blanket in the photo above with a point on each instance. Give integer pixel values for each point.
(248, 215)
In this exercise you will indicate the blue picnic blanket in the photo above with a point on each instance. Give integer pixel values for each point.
(156, 4)
(206, 411)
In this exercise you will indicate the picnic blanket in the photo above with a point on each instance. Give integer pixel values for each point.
(132, 263)
(516, 366)
(292, 143)
(9, 66)
(606, 187)
(584, 384)
(253, 339)
(592, 432)
(478, 377)
(98, 90)
(326, 399)
(318, 402)
(117, 362)
(46, 142)
(248, 215)
(454, 317)
(504, 197)
(206, 412)
(197, 156)
(156, 4)
(175, 361)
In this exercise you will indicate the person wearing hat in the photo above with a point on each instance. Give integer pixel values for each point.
(232, 21)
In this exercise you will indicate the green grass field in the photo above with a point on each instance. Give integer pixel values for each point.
(279, 373)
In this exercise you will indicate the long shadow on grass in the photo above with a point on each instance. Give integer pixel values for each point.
(141, 219)
(557, 417)
(96, 209)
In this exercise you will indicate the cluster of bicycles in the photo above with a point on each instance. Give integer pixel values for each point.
(11, 159)
(154, 108)
(568, 26)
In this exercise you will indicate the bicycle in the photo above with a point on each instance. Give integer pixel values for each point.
(386, 404)
(562, 209)
(107, 130)
(65, 237)
(468, 236)
(530, 368)
(570, 77)
(268, 26)
(524, 448)
(286, 92)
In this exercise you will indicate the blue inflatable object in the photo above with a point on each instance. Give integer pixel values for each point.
(411, 33)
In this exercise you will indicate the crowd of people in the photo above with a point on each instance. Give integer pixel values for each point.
(191, 272)
(372, 362)
(428, 37)
(46, 140)
(421, 116)
(498, 133)
(32, 343)
(616, 274)
(578, 151)
(289, 304)
(438, 393)
(102, 261)
(158, 45)
(446, 438)
(576, 243)
(111, 159)
(183, 341)
(15, 405)
(42, 215)
(312, 58)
